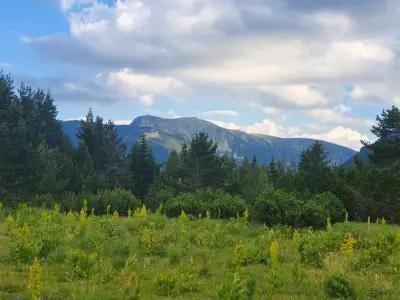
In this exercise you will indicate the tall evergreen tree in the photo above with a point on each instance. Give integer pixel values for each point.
(202, 164)
(143, 167)
(386, 150)
(105, 149)
(314, 172)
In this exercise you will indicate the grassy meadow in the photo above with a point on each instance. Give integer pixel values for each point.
(47, 254)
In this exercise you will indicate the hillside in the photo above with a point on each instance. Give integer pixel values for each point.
(166, 135)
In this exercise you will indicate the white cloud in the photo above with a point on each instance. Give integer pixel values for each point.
(339, 135)
(333, 21)
(336, 116)
(225, 113)
(227, 125)
(141, 87)
(300, 95)
(342, 136)
(122, 122)
(266, 127)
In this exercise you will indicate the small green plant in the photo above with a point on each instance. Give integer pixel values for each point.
(231, 289)
(274, 252)
(174, 256)
(115, 215)
(240, 254)
(9, 222)
(166, 284)
(348, 245)
(183, 217)
(338, 287)
(328, 225)
(34, 279)
(296, 242)
(140, 212)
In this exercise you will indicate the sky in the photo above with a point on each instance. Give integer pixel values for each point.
(287, 68)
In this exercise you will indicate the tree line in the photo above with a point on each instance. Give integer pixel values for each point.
(39, 163)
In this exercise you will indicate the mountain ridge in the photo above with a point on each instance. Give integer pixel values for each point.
(167, 134)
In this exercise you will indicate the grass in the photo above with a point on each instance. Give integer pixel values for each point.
(149, 256)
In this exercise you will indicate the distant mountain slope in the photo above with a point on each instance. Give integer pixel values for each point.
(166, 135)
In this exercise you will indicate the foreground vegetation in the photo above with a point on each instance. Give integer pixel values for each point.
(48, 254)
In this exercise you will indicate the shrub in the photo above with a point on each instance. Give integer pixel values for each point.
(277, 207)
(332, 204)
(43, 200)
(313, 248)
(338, 287)
(322, 206)
(376, 254)
(165, 284)
(80, 263)
(119, 200)
(156, 197)
(218, 203)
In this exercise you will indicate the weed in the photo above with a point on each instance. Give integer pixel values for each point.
(34, 279)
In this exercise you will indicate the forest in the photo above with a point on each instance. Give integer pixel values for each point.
(100, 221)
(39, 165)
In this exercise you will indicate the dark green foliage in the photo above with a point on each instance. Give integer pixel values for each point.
(201, 162)
(314, 249)
(39, 164)
(105, 150)
(120, 200)
(277, 207)
(338, 287)
(386, 150)
(314, 174)
(216, 202)
(143, 167)
(316, 210)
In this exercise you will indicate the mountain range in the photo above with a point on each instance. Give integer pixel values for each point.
(165, 135)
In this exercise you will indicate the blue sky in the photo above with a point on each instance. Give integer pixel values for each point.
(320, 69)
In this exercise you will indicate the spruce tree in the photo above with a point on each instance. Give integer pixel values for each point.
(143, 167)
(314, 172)
(386, 150)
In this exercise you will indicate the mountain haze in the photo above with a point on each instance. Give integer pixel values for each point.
(166, 135)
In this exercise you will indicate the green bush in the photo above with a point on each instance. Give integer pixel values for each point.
(277, 207)
(338, 287)
(120, 200)
(316, 210)
(218, 203)
(314, 248)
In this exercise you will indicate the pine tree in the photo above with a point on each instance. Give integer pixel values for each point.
(202, 164)
(314, 172)
(386, 150)
(143, 167)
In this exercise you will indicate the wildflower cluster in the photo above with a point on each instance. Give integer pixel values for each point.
(348, 245)
(240, 254)
(328, 225)
(140, 212)
(34, 279)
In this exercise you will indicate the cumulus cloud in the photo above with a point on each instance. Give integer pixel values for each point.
(141, 87)
(266, 127)
(343, 136)
(226, 113)
(281, 56)
(227, 125)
